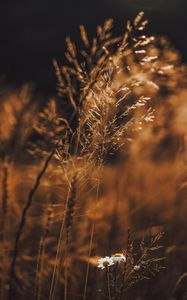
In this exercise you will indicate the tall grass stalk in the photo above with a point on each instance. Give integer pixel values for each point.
(108, 283)
(91, 242)
(4, 228)
(41, 255)
(66, 223)
(23, 221)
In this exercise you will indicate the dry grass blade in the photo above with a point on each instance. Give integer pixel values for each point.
(4, 229)
(41, 254)
(22, 224)
(66, 224)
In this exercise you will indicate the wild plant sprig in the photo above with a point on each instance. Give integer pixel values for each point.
(126, 269)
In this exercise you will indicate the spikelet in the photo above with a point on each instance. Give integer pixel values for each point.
(84, 36)
(16, 114)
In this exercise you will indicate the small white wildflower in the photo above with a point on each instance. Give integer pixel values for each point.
(118, 258)
(136, 268)
(105, 262)
(149, 58)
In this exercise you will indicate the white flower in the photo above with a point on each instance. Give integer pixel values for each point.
(105, 262)
(118, 258)
(136, 268)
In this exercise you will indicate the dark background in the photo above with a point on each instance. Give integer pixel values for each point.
(33, 32)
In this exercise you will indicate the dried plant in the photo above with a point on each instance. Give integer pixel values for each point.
(41, 255)
(103, 169)
(126, 269)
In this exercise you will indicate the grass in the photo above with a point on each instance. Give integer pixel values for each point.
(107, 155)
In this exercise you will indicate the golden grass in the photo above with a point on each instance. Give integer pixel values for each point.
(107, 155)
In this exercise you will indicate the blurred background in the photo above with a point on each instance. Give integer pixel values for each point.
(32, 33)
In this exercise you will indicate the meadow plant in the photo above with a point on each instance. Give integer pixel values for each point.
(75, 201)
(126, 269)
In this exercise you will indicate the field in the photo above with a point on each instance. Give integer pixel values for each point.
(94, 181)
